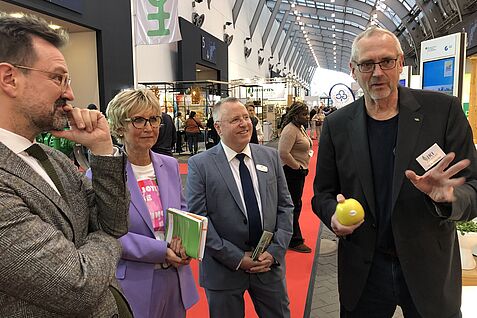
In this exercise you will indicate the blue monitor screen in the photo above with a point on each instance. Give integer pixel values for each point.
(402, 82)
(438, 75)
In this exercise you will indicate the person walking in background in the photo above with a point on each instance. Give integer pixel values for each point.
(406, 251)
(211, 133)
(192, 130)
(257, 133)
(313, 123)
(318, 119)
(167, 136)
(58, 230)
(179, 125)
(242, 190)
(154, 275)
(295, 149)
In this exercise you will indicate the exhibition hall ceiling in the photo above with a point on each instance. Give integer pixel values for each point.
(322, 31)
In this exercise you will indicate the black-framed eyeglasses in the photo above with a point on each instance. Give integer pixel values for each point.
(141, 122)
(63, 80)
(368, 67)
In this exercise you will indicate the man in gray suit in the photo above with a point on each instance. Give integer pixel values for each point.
(57, 230)
(215, 188)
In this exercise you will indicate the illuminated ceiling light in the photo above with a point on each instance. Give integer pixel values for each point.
(295, 12)
(334, 35)
(375, 15)
(298, 18)
(300, 23)
(334, 48)
(333, 15)
(332, 1)
(334, 53)
(302, 28)
(293, 5)
(333, 26)
(334, 42)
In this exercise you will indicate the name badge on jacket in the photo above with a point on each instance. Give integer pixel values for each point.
(430, 157)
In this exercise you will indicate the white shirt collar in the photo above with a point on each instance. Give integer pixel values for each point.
(230, 154)
(14, 142)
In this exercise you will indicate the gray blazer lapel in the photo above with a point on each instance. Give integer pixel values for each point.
(258, 159)
(359, 140)
(410, 123)
(223, 168)
(13, 164)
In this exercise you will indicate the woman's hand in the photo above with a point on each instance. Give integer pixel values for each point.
(176, 254)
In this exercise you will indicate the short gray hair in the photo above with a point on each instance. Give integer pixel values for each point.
(127, 102)
(368, 33)
(216, 110)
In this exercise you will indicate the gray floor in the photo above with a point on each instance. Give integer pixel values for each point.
(322, 299)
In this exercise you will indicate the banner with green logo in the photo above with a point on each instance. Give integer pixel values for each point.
(157, 22)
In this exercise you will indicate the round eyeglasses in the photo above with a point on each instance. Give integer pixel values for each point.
(141, 122)
(63, 80)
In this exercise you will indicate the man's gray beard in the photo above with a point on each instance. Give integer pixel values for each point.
(60, 122)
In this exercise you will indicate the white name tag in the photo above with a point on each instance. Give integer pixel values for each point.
(430, 157)
(262, 168)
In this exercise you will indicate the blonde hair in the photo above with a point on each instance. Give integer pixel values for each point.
(127, 102)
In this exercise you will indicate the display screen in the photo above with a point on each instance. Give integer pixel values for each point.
(402, 82)
(438, 75)
(209, 48)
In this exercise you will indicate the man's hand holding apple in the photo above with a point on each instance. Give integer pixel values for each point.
(338, 228)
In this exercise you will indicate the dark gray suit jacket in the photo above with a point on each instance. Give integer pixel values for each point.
(426, 243)
(211, 191)
(58, 258)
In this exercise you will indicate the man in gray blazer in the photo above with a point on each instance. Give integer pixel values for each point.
(215, 188)
(57, 230)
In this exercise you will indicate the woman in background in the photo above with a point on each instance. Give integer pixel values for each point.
(192, 130)
(156, 278)
(294, 147)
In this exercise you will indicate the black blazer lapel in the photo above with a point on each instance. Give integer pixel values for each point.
(358, 136)
(409, 124)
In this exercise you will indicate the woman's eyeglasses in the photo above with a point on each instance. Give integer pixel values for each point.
(141, 122)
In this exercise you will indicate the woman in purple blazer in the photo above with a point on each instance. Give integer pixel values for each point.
(156, 279)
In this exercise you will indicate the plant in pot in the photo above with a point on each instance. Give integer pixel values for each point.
(467, 232)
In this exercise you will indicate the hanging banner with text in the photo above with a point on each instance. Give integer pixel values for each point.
(157, 22)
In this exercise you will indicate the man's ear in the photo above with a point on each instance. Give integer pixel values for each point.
(352, 68)
(8, 80)
(217, 128)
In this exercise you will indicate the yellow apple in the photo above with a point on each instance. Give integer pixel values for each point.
(349, 212)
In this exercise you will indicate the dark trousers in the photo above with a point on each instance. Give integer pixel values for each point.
(385, 289)
(179, 141)
(296, 182)
(193, 142)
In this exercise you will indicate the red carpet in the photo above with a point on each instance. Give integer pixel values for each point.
(298, 265)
